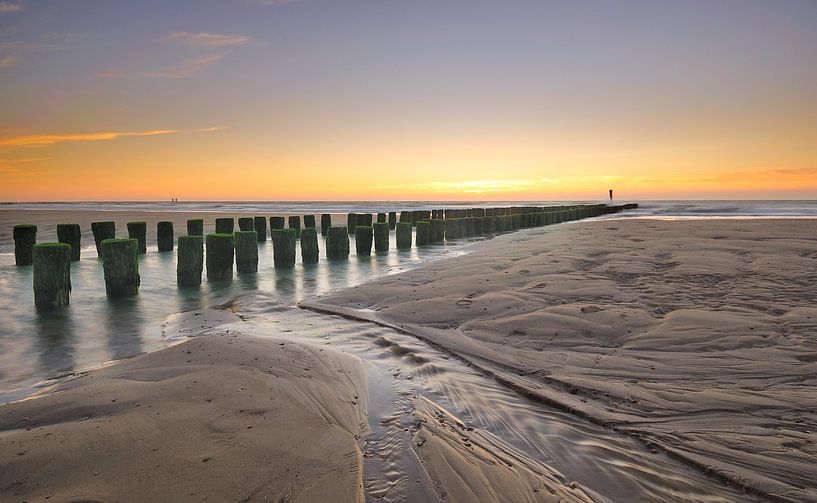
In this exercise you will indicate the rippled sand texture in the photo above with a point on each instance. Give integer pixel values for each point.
(218, 417)
(698, 336)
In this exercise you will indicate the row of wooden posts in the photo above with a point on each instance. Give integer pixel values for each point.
(225, 247)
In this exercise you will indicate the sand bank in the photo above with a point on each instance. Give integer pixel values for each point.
(221, 418)
(698, 336)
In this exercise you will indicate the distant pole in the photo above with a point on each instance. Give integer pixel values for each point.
(611, 194)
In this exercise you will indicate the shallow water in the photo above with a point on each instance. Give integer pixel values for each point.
(608, 465)
(39, 345)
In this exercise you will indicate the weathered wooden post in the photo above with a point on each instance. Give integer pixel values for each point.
(309, 246)
(120, 264)
(195, 227)
(246, 224)
(225, 226)
(52, 274)
(381, 236)
(438, 231)
(260, 226)
(414, 216)
(220, 256)
(326, 223)
(477, 226)
(295, 224)
(309, 221)
(423, 237)
(102, 231)
(190, 260)
(405, 216)
(367, 220)
(283, 248)
(337, 243)
(276, 223)
(138, 231)
(351, 222)
(246, 252)
(451, 229)
(404, 236)
(381, 217)
(392, 220)
(164, 236)
(70, 234)
(363, 240)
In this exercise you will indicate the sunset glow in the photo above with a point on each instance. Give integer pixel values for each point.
(333, 100)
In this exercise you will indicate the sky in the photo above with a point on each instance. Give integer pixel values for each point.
(407, 99)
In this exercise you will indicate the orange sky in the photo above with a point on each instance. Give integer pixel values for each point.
(309, 100)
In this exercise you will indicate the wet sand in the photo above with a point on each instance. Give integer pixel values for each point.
(699, 337)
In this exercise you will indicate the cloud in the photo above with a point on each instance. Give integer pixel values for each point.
(8, 61)
(6, 7)
(33, 140)
(188, 67)
(211, 40)
(273, 3)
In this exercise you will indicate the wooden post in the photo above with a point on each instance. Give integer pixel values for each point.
(283, 248)
(260, 226)
(381, 236)
(225, 226)
(138, 231)
(404, 236)
(295, 224)
(309, 246)
(220, 256)
(120, 264)
(326, 223)
(102, 231)
(423, 232)
(337, 243)
(52, 274)
(309, 221)
(363, 240)
(164, 236)
(70, 234)
(392, 220)
(246, 252)
(195, 227)
(190, 260)
(276, 223)
(246, 224)
(351, 222)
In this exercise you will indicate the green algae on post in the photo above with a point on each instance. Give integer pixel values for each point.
(309, 246)
(190, 260)
(337, 243)
(138, 231)
(25, 236)
(164, 236)
(283, 248)
(102, 231)
(260, 225)
(381, 236)
(120, 263)
(309, 221)
(363, 240)
(276, 223)
(70, 234)
(246, 252)
(246, 224)
(225, 226)
(326, 223)
(220, 256)
(195, 227)
(52, 274)
(404, 235)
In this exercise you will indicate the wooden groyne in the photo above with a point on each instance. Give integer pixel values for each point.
(219, 252)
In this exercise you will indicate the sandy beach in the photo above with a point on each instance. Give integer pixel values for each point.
(697, 336)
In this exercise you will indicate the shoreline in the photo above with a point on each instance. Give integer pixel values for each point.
(428, 294)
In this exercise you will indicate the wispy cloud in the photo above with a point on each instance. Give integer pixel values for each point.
(188, 67)
(6, 7)
(51, 139)
(211, 40)
(8, 61)
(273, 3)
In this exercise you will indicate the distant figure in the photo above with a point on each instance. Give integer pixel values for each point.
(611, 194)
